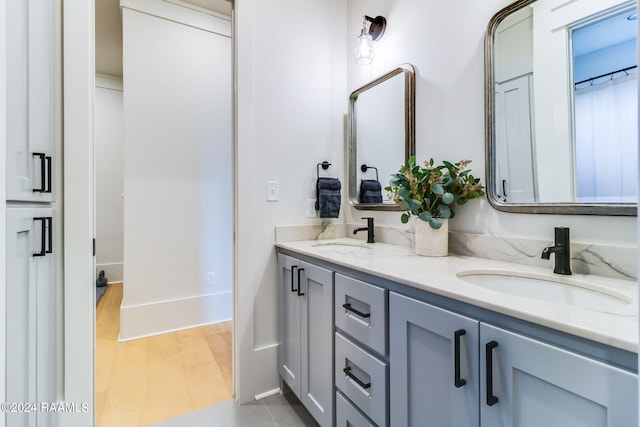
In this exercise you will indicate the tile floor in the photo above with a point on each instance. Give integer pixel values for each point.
(274, 411)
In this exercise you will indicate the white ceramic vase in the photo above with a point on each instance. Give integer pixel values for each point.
(431, 242)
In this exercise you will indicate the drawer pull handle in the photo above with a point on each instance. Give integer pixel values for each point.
(43, 236)
(491, 399)
(49, 225)
(353, 310)
(43, 173)
(293, 269)
(348, 373)
(48, 189)
(458, 382)
(299, 285)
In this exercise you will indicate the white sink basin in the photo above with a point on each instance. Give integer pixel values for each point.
(559, 289)
(342, 247)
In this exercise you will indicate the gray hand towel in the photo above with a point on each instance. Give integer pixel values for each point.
(370, 191)
(328, 197)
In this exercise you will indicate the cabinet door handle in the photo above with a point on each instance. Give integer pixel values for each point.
(48, 188)
(49, 225)
(293, 289)
(458, 382)
(43, 236)
(299, 285)
(347, 372)
(353, 310)
(491, 399)
(43, 173)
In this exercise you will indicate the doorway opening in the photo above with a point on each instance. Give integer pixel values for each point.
(163, 202)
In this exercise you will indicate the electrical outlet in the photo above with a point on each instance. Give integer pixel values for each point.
(311, 208)
(211, 278)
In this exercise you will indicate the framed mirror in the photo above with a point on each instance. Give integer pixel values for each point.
(381, 136)
(561, 107)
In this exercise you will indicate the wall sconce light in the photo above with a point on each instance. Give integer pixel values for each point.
(372, 30)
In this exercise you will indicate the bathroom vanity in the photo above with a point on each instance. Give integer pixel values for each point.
(375, 335)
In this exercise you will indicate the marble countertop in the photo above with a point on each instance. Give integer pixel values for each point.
(617, 326)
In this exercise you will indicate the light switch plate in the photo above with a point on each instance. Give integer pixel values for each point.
(273, 191)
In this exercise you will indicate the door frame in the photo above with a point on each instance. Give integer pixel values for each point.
(78, 210)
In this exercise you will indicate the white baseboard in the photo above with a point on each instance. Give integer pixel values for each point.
(114, 271)
(139, 321)
(268, 393)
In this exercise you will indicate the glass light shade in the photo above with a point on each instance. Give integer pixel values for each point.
(364, 53)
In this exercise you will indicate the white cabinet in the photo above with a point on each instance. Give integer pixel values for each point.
(434, 365)
(529, 384)
(306, 335)
(520, 382)
(32, 102)
(31, 343)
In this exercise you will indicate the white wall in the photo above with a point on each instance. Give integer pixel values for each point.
(291, 104)
(177, 168)
(444, 40)
(109, 146)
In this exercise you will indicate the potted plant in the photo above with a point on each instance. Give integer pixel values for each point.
(430, 193)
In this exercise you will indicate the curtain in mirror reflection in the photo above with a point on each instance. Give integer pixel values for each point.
(606, 140)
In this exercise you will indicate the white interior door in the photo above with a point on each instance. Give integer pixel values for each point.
(514, 142)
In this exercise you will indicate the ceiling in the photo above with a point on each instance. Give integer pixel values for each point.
(109, 31)
(604, 33)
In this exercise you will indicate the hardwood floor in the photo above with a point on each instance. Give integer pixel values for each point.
(149, 380)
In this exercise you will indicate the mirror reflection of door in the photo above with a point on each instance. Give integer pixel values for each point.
(605, 108)
(514, 145)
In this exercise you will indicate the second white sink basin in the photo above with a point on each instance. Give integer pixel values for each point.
(560, 289)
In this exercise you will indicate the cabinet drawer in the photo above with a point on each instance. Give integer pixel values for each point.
(362, 378)
(347, 415)
(361, 311)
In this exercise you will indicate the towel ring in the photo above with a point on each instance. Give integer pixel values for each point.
(364, 168)
(325, 165)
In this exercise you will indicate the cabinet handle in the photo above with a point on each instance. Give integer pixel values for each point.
(299, 285)
(348, 373)
(292, 270)
(353, 310)
(48, 188)
(49, 225)
(43, 236)
(458, 382)
(43, 173)
(491, 399)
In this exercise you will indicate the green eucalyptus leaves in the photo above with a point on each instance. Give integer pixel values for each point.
(430, 192)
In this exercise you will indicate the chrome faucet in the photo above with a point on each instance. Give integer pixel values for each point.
(368, 228)
(562, 251)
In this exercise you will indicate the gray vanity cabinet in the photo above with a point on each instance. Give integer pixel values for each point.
(306, 331)
(289, 323)
(434, 376)
(531, 384)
